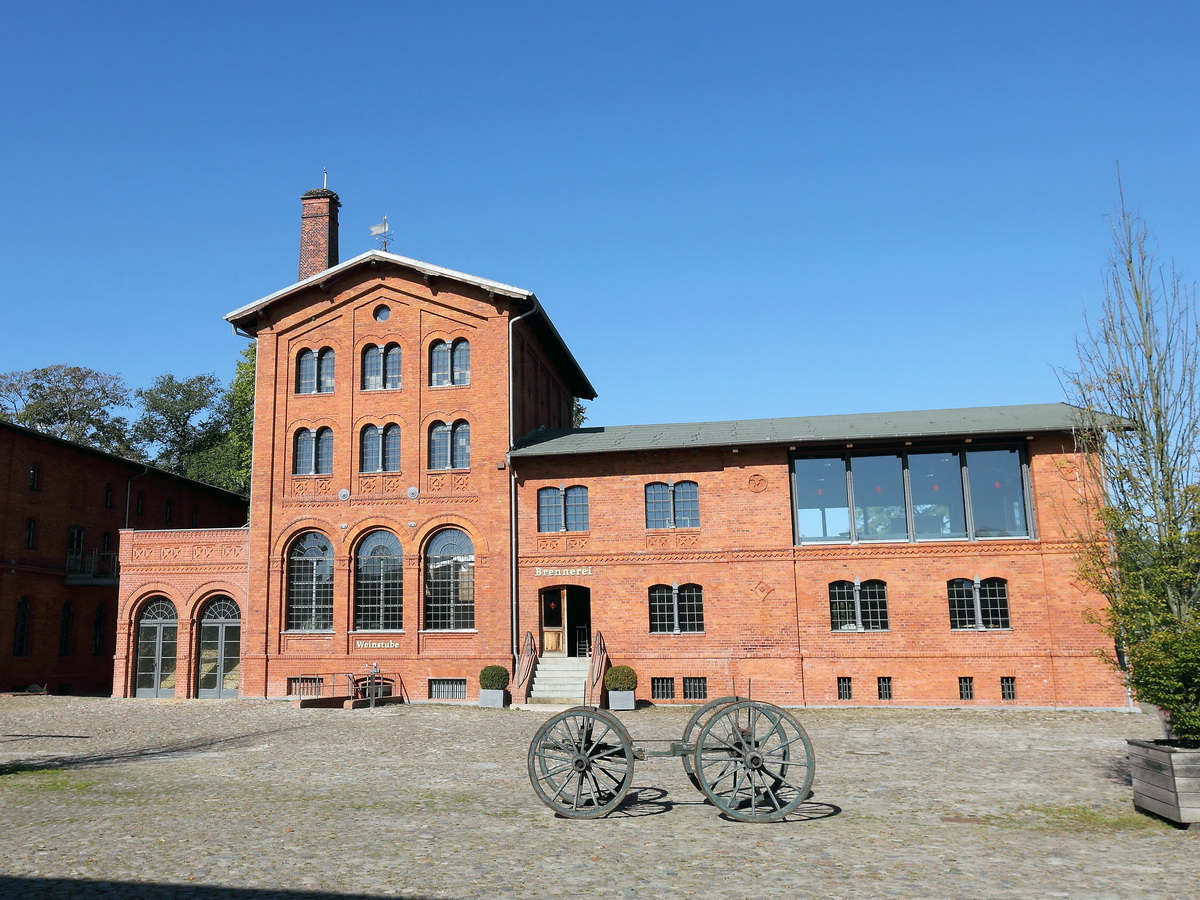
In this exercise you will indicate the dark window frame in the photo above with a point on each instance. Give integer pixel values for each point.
(382, 367)
(672, 504)
(563, 509)
(449, 445)
(379, 583)
(448, 582)
(858, 606)
(310, 583)
(676, 608)
(978, 604)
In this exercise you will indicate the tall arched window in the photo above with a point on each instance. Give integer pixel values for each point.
(100, 630)
(381, 367)
(313, 452)
(220, 649)
(22, 630)
(380, 451)
(158, 634)
(314, 371)
(379, 583)
(450, 445)
(66, 630)
(310, 584)
(449, 581)
(450, 363)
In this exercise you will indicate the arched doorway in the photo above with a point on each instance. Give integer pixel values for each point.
(220, 650)
(566, 614)
(158, 630)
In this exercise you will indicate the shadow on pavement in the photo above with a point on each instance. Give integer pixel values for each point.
(62, 888)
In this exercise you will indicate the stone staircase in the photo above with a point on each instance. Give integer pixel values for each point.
(559, 680)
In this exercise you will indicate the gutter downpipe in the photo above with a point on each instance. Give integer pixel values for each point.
(512, 490)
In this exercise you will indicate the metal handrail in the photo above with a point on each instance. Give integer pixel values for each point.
(526, 663)
(597, 668)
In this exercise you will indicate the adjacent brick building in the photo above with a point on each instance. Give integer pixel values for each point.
(65, 506)
(421, 506)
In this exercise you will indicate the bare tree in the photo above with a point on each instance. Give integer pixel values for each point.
(1139, 428)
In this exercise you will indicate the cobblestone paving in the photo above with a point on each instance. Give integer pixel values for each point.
(256, 800)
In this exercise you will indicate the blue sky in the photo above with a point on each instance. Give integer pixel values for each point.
(730, 210)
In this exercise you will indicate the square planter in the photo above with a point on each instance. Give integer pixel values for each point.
(493, 699)
(1166, 780)
(622, 700)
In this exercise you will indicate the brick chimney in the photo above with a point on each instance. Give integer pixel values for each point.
(318, 231)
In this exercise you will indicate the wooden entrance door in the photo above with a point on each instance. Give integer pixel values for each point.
(554, 633)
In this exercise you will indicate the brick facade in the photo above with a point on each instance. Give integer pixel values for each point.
(766, 602)
(61, 534)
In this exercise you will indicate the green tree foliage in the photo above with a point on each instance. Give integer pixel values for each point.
(1138, 361)
(180, 419)
(70, 402)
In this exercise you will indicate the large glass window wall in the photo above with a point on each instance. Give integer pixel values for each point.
(955, 494)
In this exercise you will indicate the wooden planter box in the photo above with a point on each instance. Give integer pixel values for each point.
(1166, 780)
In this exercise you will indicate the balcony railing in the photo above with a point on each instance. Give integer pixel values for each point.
(92, 563)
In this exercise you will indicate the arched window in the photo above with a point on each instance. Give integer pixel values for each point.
(381, 367)
(460, 362)
(100, 630)
(379, 583)
(563, 509)
(22, 630)
(673, 505)
(310, 584)
(35, 477)
(157, 636)
(449, 581)
(978, 604)
(313, 452)
(676, 609)
(314, 371)
(66, 630)
(380, 450)
(220, 649)
(450, 363)
(450, 445)
(858, 606)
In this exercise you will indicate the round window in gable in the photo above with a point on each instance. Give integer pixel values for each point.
(382, 313)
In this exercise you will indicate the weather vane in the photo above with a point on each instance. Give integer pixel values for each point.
(381, 233)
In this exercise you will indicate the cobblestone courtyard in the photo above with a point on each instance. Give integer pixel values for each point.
(250, 800)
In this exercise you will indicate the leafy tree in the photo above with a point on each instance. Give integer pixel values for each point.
(1139, 362)
(179, 419)
(71, 402)
(226, 462)
(578, 413)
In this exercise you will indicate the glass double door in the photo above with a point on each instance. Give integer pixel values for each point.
(220, 650)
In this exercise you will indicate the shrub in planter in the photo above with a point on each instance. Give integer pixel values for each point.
(492, 683)
(621, 682)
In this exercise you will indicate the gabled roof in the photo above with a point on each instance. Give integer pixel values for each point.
(245, 318)
(920, 424)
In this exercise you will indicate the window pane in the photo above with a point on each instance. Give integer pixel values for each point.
(306, 372)
(462, 446)
(878, 484)
(872, 597)
(325, 370)
(439, 446)
(310, 584)
(961, 594)
(997, 493)
(658, 505)
(439, 363)
(391, 448)
(841, 606)
(577, 508)
(549, 510)
(391, 367)
(662, 610)
(691, 608)
(450, 581)
(822, 510)
(462, 362)
(379, 583)
(304, 454)
(324, 463)
(993, 602)
(370, 449)
(935, 480)
(372, 368)
(687, 505)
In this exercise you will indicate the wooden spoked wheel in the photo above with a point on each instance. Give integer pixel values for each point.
(581, 763)
(754, 761)
(698, 720)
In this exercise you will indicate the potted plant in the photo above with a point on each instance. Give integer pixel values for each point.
(621, 683)
(493, 681)
(1164, 669)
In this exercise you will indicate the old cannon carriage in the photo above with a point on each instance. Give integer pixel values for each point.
(751, 759)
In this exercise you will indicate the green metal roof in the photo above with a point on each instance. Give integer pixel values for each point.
(929, 423)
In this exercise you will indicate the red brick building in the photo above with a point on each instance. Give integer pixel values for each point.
(421, 505)
(64, 510)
